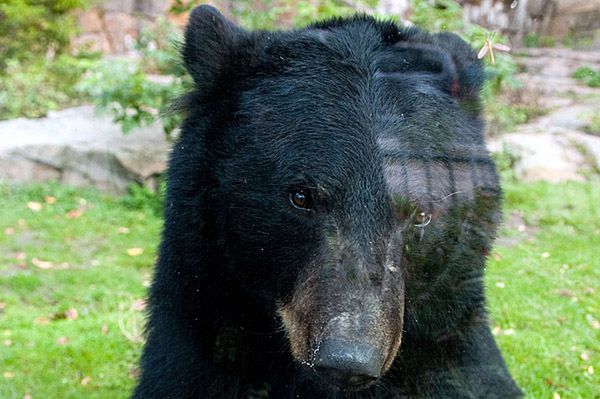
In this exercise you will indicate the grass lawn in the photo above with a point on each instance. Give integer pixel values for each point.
(74, 265)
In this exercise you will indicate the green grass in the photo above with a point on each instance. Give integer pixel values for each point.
(91, 272)
(543, 286)
(550, 303)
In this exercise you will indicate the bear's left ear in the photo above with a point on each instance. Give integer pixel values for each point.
(210, 43)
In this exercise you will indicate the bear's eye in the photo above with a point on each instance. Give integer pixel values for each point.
(301, 199)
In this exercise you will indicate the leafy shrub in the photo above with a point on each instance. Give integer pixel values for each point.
(36, 73)
(32, 28)
(159, 47)
(588, 75)
(33, 88)
(438, 15)
(592, 123)
(532, 39)
(145, 199)
(125, 91)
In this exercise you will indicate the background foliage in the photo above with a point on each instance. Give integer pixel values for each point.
(40, 75)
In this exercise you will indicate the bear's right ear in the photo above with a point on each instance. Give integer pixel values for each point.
(210, 42)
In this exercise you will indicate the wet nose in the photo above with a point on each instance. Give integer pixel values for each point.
(348, 364)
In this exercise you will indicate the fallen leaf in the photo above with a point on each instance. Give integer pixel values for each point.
(134, 373)
(20, 255)
(589, 290)
(2, 305)
(7, 342)
(8, 374)
(41, 320)
(34, 206)
(135, 251)
(139, 305)
(74, 213)
(50, 199)
(549, 382)
(71, 314)
(123, 230)
(27, 396)
(42, 264)
(104, 329)
(564, 292)
(22, 223)
(9, 231)
(85, 381)
(62, 341)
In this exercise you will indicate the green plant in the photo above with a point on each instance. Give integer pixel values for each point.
(143, 198)
(131, 97)
(588, 75)
(592, 122)
(532, 39)
(35, 28)
(159, 47)
(36, 72)
(438, 15)
(33, 88)
(506, 162)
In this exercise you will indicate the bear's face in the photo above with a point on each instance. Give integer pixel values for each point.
(311, 219)
(329, 169)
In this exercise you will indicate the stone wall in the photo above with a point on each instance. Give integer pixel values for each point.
(113, 25)
(555, 18)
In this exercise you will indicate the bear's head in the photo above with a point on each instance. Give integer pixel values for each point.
(342, 165)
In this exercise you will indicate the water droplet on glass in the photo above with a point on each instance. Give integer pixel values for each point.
(514, 4)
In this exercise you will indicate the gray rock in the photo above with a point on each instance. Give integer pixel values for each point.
(80, 148)
(553, 157)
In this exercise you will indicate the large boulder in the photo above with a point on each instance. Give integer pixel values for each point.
(81, 148)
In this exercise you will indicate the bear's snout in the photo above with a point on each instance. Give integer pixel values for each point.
(349, 365)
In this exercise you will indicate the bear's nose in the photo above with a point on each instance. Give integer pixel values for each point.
(348, 365)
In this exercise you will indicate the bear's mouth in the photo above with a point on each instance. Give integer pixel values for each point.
(332, 379)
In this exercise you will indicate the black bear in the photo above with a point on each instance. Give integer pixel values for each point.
(329, 209)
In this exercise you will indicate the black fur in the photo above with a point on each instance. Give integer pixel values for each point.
(381, 123)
